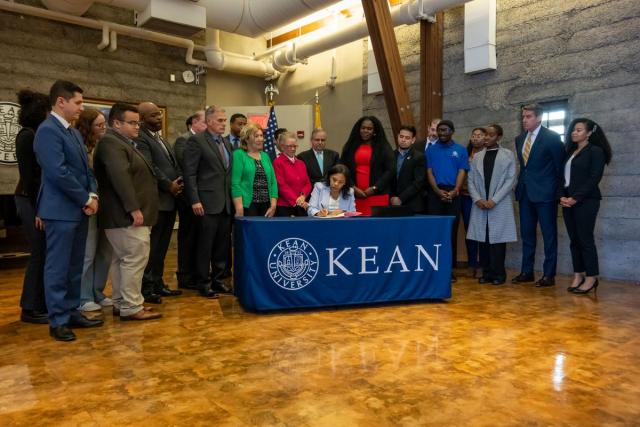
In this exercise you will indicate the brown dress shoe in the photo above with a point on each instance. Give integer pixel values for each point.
(143, 315)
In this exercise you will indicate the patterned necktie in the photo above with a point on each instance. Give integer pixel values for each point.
(527, 149)
(223, 153)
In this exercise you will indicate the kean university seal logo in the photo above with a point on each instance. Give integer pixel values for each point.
(9, 128)
(293, 263)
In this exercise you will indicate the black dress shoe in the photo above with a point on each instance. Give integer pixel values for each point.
(168, 292)
(545, 282)
(586, 291)
(222, 289)
(153, 299)
(484, 280)
(498, 282)
(62, 333)
(34, 316)
(79, 321)
(523, 278)
(208, 293)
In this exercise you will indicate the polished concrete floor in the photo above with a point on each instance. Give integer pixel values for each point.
(491, 356)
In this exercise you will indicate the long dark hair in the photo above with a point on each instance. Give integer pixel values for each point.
(354, 141)
(34, 107)
(469, 144)
(340, 168)
(84, 125)
(597, 137)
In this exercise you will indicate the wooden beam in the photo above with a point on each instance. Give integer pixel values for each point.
(431, 42)
(385, 49)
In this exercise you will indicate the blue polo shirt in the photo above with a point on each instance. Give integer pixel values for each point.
(445, 160)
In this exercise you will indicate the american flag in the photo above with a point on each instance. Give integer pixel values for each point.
(272, 127)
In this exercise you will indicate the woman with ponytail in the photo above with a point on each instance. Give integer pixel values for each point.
(588, 151)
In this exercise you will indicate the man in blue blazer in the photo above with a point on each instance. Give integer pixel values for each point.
(67, 197)
(540, 153)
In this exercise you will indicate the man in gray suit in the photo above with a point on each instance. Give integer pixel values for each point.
(187, 230)
(207, 172)
(169, 175)
(129, 195)
(319, 159)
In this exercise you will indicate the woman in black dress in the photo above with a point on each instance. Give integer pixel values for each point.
(34, 108)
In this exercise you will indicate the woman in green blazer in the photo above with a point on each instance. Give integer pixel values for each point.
(253, 182)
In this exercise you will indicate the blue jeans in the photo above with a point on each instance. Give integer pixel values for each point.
(97, 260)
(472, 245)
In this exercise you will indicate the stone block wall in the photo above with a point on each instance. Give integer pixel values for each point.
(584, 51)
(36, 52)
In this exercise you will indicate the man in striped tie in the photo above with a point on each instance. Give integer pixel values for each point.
(540, 153)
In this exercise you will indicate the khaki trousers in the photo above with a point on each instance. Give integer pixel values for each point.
(130, 256)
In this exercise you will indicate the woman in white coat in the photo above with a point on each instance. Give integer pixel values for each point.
(492, 222)
(333, 197)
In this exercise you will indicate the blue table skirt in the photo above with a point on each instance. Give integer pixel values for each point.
(282, 263)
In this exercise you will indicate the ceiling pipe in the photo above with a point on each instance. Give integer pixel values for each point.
(105, 38)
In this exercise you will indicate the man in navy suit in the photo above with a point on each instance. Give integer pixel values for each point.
(67, 197)
(540, 153)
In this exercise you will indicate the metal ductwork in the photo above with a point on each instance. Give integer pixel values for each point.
(247, 17)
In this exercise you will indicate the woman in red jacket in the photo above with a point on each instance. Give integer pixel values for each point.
(294, 186)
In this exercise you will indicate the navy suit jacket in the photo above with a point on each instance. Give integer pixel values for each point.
(542, 175)
(67, 179)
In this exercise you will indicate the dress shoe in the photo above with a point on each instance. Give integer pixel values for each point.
(62, 333)
(208, 293)
(523, 278)
(116, 311)
(498, 282)
(573, 288)
(34, 316)
(454, 279)
(545, 282)
(586, 291)
(153, 299)
(79, 321)
(143, 315)
(222, 289)
(168, 292)
(484, 280)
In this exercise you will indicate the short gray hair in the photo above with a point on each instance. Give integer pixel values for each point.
(211, 110)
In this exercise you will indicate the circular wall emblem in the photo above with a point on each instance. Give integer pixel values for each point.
(9, 128)
(293, 263)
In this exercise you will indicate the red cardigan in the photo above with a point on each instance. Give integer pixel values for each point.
(292, 180)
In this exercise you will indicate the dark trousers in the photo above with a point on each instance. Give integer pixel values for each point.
(580, 220)
(160, 238)
(289, 211)
(257, 209)
(66, 242)
(187, 245)
(492, 259)
(33, 285)
(439, 207)
(472, 245)
(212, 249)
(545, 213)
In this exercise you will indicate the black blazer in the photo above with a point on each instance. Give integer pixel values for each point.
(382, 166)
(586, 172)
(409, 184)
(205, 178)
(329, 159)
(28, 166)
(164, 165)
(126, 183)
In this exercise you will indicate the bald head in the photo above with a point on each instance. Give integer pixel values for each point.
(151, 115)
